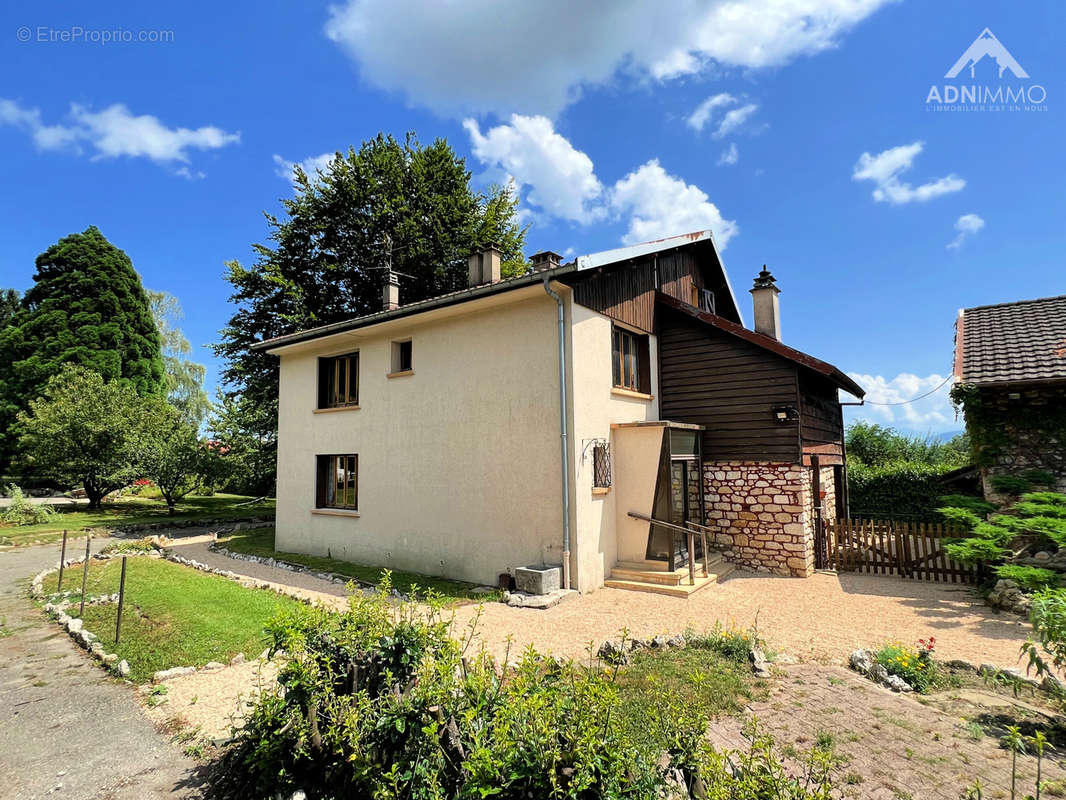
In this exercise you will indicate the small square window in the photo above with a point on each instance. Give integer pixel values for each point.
(401, 356)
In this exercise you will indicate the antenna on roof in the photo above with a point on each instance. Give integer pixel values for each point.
(387, 241)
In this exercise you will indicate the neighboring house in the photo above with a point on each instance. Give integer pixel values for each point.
(428, 436)
(1010, 373)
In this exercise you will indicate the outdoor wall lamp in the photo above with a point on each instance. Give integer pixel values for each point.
(785, 414)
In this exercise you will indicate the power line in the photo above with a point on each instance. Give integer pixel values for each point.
(913, 399)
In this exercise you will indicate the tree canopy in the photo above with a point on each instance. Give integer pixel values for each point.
(387, 203)
(184, 377)
(86, 307)
(876, 446)
(9, 304)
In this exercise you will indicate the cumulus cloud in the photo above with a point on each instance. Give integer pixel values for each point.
(560, 178)
(932, 413)
(729, 156)
(965, 226)
(312, 165)
(885, 168)
(659, 204)
(115, 131)
(453, 58)
(560, 181)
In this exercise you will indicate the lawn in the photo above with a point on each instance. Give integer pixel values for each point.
(134, 511)
(260, 542)
(174, 616)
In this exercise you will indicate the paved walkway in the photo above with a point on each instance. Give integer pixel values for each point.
(66, 729)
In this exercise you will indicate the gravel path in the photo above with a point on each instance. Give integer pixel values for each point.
(63, 722)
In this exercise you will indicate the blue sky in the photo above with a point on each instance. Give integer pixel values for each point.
(799, 131)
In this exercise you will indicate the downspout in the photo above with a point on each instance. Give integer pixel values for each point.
(563, 434)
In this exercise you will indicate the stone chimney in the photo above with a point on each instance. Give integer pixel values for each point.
(485, 266)
(545, 260)
(391, 293)
(764, 299)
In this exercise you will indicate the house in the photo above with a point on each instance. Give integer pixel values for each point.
(1010, 374)
(546, 418)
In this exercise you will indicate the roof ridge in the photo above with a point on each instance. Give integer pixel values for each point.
(1015, 303)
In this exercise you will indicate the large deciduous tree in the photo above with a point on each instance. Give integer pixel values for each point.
(86, 307)
(84, 431)
(387, 203)
(9, 304)
(184, 377)
(169, 452)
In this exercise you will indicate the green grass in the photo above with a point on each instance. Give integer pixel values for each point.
(724, 686)
(135, 511)
(260, 542)
(175, 616)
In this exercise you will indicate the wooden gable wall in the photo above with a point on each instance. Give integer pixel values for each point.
(730, 386)
(821, 417)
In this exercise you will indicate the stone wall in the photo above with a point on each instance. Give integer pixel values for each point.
(762, 512)
(1026, 433)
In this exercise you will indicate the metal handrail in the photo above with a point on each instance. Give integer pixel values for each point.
(691, 534)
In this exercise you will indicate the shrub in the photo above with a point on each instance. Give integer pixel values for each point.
(898, 489)
(1032, 579)
(1037, 520)
(382, 702)
(731, 643)
(22, 512)
(145, 545)
(915, 665)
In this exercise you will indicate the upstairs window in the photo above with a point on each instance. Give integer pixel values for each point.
(401, 357)
(337, 482)
(338, 381)
(630, 361)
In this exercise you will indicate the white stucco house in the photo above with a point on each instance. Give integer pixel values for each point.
(545, 419)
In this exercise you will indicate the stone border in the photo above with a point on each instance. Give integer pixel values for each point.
(247, 523)
(865, 663)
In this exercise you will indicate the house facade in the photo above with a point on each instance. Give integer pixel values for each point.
(1010, 379)
(581, 414)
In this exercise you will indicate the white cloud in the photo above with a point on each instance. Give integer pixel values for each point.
(115, 131)
(730, 155)
(701, 115)
(932, 413)
(885, 168)
(734, 118)
(560, 178)
(660, 204)
(966, 226)
(312, 165)
(560, 181)
(456, 56)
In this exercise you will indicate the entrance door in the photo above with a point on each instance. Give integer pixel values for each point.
(679, 498)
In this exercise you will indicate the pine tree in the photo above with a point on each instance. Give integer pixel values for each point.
(87, 307)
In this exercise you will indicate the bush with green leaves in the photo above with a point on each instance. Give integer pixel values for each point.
(381, 701)
(20, 511)
(915, 665)
(906, 489)
(1036, 522)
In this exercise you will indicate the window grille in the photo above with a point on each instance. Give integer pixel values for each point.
(601, 465)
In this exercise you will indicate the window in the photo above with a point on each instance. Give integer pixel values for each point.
(630, 361)
(337, 482)
(338, 381)
(601, 465)
(401, 357)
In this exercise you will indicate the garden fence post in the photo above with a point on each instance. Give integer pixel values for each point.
(62, 561)
(121, 597)
(84, 575)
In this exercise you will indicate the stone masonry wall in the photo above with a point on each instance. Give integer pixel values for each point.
(762, 514)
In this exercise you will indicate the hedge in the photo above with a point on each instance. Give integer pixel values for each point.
(900, 490)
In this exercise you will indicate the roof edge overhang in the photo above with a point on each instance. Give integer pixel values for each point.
(774, 346)
(1018, 383)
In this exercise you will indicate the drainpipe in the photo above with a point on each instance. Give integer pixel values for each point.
(564, 449)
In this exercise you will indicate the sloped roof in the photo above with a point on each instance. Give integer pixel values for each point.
(776, 347)
(1021, 342)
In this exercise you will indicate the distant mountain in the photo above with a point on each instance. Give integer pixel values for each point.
(987, 45)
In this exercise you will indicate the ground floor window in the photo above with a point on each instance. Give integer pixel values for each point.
(337, 482)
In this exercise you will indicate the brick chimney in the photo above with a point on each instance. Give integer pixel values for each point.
(485, 266)
(545, 260)
(764, 299)
(391, 293)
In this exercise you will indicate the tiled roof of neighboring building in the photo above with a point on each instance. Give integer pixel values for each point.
(1022, 342)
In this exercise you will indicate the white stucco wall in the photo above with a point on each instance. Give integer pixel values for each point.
(459, 463)
(598, 517)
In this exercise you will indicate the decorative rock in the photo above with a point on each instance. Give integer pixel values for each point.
(212, 665)
(878, 674)
(123, 669)
(74, 625)
(1043, 555)
(237, 659)
(110, 659)
(613, 651)
(1008, 596)
(1052, 685)
(677, 640)
(659, 642)
(897, 684)
(861, 661)
(173, 672)
(760, 667)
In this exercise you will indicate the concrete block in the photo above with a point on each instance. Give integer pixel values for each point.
(538, 579)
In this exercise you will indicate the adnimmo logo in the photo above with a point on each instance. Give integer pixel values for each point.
(997, 82)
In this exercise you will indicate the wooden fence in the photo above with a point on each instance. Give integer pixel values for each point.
(904, 549)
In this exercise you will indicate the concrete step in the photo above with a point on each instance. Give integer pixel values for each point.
(675, 584)
(681, 590)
